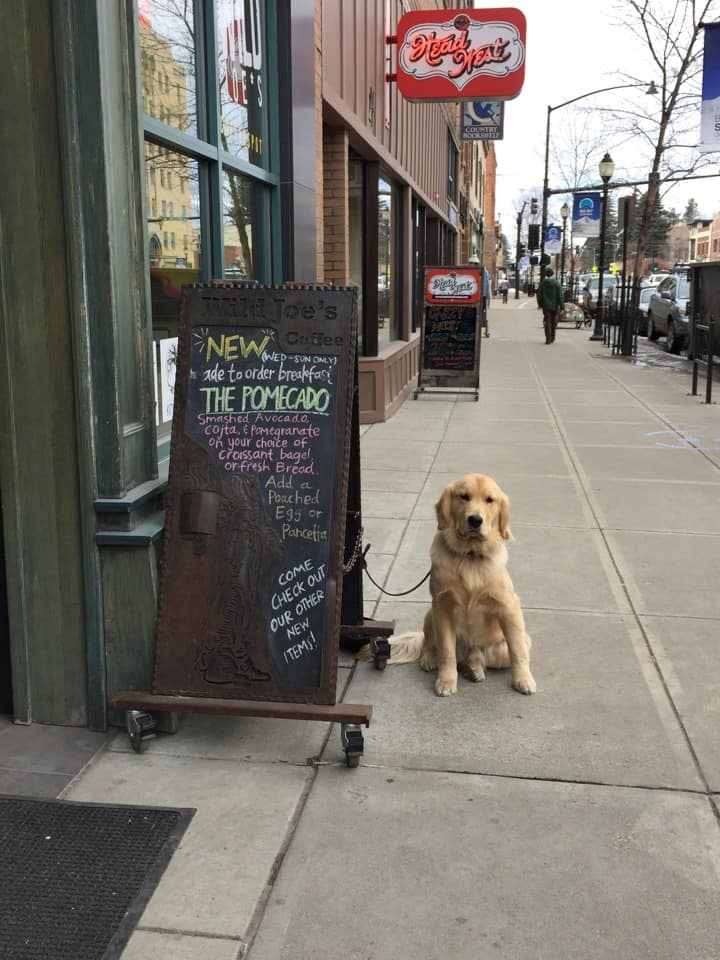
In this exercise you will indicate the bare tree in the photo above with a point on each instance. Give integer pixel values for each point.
(670, 36)
(576, 145)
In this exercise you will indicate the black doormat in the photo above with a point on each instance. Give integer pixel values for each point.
(75, 877)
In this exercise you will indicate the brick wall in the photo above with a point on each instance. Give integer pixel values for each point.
(335, 247)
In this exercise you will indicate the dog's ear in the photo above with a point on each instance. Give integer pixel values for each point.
(442, 509)
(504, 518)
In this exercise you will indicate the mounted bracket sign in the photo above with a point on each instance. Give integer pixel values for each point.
(467, 54)
(450, 334)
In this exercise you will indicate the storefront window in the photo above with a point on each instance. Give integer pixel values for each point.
(167, 58)
(205, 219)
(175, 254)
(388, 326)
(244, 215)
(241, 78)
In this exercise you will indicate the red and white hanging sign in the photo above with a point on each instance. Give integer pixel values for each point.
(452, 286)
(461, 54)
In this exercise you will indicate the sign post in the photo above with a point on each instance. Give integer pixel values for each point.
(450, 334)
(252, 567)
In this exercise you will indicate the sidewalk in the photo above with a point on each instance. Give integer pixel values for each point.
(581, 822)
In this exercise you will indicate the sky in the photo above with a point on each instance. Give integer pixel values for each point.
(573, 47)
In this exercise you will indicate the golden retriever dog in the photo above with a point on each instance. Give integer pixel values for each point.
(475, 620)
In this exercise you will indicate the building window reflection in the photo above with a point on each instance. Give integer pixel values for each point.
(168, 62)
(387, 273)
(245, 211)
(170, 269)
(241, 78)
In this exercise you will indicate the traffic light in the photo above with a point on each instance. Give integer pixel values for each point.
(522, 249)
(533, 235)
(655, 267)
(533, 205)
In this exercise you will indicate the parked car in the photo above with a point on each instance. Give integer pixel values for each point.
(667, 311)
(590, 291)
(653, 279)
(641, 314)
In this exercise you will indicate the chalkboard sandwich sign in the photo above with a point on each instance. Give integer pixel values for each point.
(252, 566)
(450, 331)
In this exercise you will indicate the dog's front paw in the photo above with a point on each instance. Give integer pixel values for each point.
(524, 683)
(445, 686)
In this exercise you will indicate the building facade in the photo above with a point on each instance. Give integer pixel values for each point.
(704, 239)
(146, 144)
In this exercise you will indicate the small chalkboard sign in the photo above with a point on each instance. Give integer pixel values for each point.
(251, 578)
(450, 331)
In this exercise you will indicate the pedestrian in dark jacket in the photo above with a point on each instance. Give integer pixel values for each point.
(550, 298)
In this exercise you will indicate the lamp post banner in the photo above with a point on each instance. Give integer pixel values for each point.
(553, 239)
(586, 214)
(710, 111)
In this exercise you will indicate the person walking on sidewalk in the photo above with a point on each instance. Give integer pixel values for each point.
(504, 288)
(550, 298)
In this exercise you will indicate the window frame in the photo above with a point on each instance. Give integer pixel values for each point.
(205, 148)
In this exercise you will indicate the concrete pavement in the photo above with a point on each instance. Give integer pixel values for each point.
(581, 822)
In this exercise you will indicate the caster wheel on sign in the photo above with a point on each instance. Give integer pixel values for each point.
(380, 649)
(353, 744)
(140, 727)
(137, 743)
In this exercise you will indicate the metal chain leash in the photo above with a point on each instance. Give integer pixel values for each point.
(356, 550)
(359, 554)
(403, 593)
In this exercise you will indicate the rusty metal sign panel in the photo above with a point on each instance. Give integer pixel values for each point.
(251, 578)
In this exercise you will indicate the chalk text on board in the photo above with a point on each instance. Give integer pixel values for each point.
(300, 588)
(234, 345)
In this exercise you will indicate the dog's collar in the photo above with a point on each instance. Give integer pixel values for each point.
(477, 552)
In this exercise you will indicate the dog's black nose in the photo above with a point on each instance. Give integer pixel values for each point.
(475, 520)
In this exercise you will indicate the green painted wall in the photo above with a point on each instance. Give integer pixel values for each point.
(38, 441)
(76, 430)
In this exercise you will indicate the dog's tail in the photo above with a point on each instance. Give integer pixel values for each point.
(404, 648)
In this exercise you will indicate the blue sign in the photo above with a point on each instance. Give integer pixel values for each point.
(586, 214)
(553, 239)
(710, 111)
(482, 120)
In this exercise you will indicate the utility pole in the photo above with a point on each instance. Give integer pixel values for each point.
(517, 250)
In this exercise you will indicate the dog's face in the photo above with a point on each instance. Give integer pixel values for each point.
(474, 513)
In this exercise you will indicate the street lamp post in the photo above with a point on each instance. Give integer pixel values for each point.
(564, 213)
(607, 168)
(517, 251)
(651, 90)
